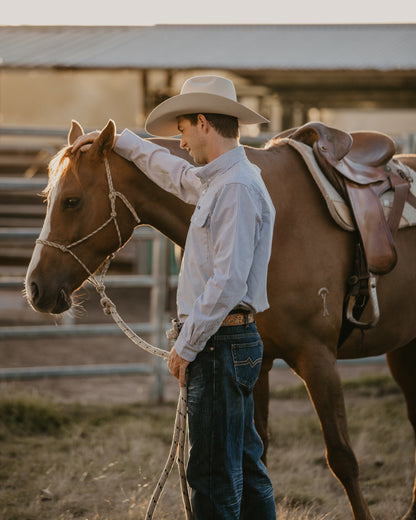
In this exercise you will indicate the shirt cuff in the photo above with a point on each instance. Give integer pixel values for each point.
(184, 350)
(126, 143)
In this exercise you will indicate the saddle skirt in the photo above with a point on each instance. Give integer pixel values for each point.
(337, 206)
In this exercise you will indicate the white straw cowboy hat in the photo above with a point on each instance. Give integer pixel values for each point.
(200, 95)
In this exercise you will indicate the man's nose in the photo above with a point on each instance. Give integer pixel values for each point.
(183, 144)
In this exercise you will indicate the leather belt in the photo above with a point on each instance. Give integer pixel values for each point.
(238, 318)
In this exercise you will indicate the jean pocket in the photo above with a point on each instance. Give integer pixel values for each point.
(247, 359)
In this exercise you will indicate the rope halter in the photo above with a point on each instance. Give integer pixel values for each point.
(112, 196)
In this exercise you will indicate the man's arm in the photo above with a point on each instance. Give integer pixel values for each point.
(168, 171)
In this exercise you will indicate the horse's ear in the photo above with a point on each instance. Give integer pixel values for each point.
(75, 132)
(105, 140)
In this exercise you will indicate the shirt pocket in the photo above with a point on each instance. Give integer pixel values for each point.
(247, 358)
(199, 243)
(200, 216)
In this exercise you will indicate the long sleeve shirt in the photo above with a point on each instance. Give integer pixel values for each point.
(228, 245)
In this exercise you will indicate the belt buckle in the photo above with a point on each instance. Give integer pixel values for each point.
(238, 318)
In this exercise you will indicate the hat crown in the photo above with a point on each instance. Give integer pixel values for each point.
(202, 95)
(210, 85)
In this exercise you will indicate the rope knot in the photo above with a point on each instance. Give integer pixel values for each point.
(107, 305)
(173, 333)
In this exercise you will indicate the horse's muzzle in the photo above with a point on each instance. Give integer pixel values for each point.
(47, 303)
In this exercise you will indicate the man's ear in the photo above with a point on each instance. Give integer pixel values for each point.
(202, 120)
(105, 141)
(75, 131)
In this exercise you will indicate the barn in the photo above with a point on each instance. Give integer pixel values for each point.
(349, 76)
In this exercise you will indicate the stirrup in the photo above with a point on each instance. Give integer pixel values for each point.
(372, 293)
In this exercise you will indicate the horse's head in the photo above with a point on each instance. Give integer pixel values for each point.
(82, 226)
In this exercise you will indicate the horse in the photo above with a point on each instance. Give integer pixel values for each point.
(310, 253)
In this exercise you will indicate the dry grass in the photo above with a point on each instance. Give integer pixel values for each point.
(66, 461)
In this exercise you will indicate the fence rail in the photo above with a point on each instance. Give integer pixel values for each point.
(406, 143)
(9, 374)
(9, 183)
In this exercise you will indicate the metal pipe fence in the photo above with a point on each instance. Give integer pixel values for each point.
(159, 281)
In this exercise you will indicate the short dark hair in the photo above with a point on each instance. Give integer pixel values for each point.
(226, 126)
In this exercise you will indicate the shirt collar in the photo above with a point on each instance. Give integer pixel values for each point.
(221, 164)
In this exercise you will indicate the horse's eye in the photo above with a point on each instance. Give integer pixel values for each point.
(71, 202)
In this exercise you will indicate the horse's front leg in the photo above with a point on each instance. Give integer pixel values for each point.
(402, 363)
(318, 368)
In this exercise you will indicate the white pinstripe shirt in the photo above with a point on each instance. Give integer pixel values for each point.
(229, 240)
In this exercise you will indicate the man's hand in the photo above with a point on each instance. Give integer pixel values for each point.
(84, 142)
(177, 366)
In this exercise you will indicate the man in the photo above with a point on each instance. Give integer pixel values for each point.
(222, 284)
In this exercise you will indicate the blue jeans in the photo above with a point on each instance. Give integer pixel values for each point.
(227, 478)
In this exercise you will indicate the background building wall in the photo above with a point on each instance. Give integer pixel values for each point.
(50, 98)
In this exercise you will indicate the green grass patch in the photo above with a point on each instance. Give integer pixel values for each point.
(27, 415)
(371, 386)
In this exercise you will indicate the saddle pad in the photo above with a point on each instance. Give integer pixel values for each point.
(337, 206)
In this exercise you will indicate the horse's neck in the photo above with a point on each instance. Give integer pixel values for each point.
(155, 206)
(170, 216)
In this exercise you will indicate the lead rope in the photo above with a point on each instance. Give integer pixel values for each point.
(177, 450)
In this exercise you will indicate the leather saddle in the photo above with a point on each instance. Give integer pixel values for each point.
(361, 167)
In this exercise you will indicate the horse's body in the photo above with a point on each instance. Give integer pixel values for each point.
(310, 253)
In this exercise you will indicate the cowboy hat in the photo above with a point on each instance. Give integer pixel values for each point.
(200, 95)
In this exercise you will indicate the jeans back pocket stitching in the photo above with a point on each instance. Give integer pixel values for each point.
(248, 362)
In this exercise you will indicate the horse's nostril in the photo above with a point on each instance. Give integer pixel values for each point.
(34, 292)
(65, 298)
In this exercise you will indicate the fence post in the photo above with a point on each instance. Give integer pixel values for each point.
(158, 318)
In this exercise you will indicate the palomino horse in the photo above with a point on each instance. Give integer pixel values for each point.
(310, 252)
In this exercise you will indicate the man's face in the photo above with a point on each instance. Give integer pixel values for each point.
(193, 139)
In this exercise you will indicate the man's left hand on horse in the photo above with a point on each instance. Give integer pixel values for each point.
(85, 141)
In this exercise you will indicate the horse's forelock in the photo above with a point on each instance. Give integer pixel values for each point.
(59, 165)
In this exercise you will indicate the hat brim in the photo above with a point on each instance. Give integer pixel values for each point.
(162, 121)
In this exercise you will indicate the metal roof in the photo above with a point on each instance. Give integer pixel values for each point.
(248, 47)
